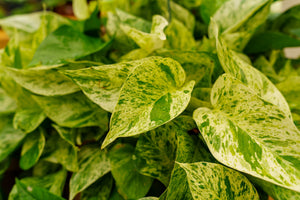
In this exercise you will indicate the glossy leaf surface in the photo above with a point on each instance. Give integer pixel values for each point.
(153, 94)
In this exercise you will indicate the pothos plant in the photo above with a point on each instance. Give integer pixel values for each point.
(171, 100)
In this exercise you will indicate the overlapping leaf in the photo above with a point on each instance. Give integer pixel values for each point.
(75, 110)
(155, 152)
(102, 84)
(214, 181)
(153, 94)
(249, 134)
(49, 83)
(250, 76)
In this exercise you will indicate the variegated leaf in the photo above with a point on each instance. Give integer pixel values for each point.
(130, 183)
(153, 94)
(73, 110)
(102, 84)
(213, 181)
(178, 36)
(148, 198)
(249, 134)
(8, 105)
(47, 82)
(155, 152)
(99, 190)
(10, 138)
(69, 135)
(32, 149)
(93, 164)
(250, 76)
(28, 115)
(148, 41)
(198, 66)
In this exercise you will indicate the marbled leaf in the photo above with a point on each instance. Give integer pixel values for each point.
(249, 134)
(213, 181)
(153, 94)
(32, 149)
(250, 76)
(102, 84)
(155, 152)
(93, 164)
(73, 110)
(130, 183)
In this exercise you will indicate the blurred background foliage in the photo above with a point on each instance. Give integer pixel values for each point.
(12, 7)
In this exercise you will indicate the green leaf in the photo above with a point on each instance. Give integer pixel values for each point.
(153, 94)
(31, 22)
(34, 192)
(32, 149)
(214, 181)
(130, 183)
(29, 115)
(60, 47)
(59, 151)
(148, 198)
(4, 165)
(10, 138)
(100, 190)
(28, 119)
(209, 7)
(249, 134)
(270, 40)
(8, 105)
(102, 84)
(73, 110)
(250, 76)
(47, 82)
(53, 182)
(69, 135)
(155, 152)
(93, 164)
